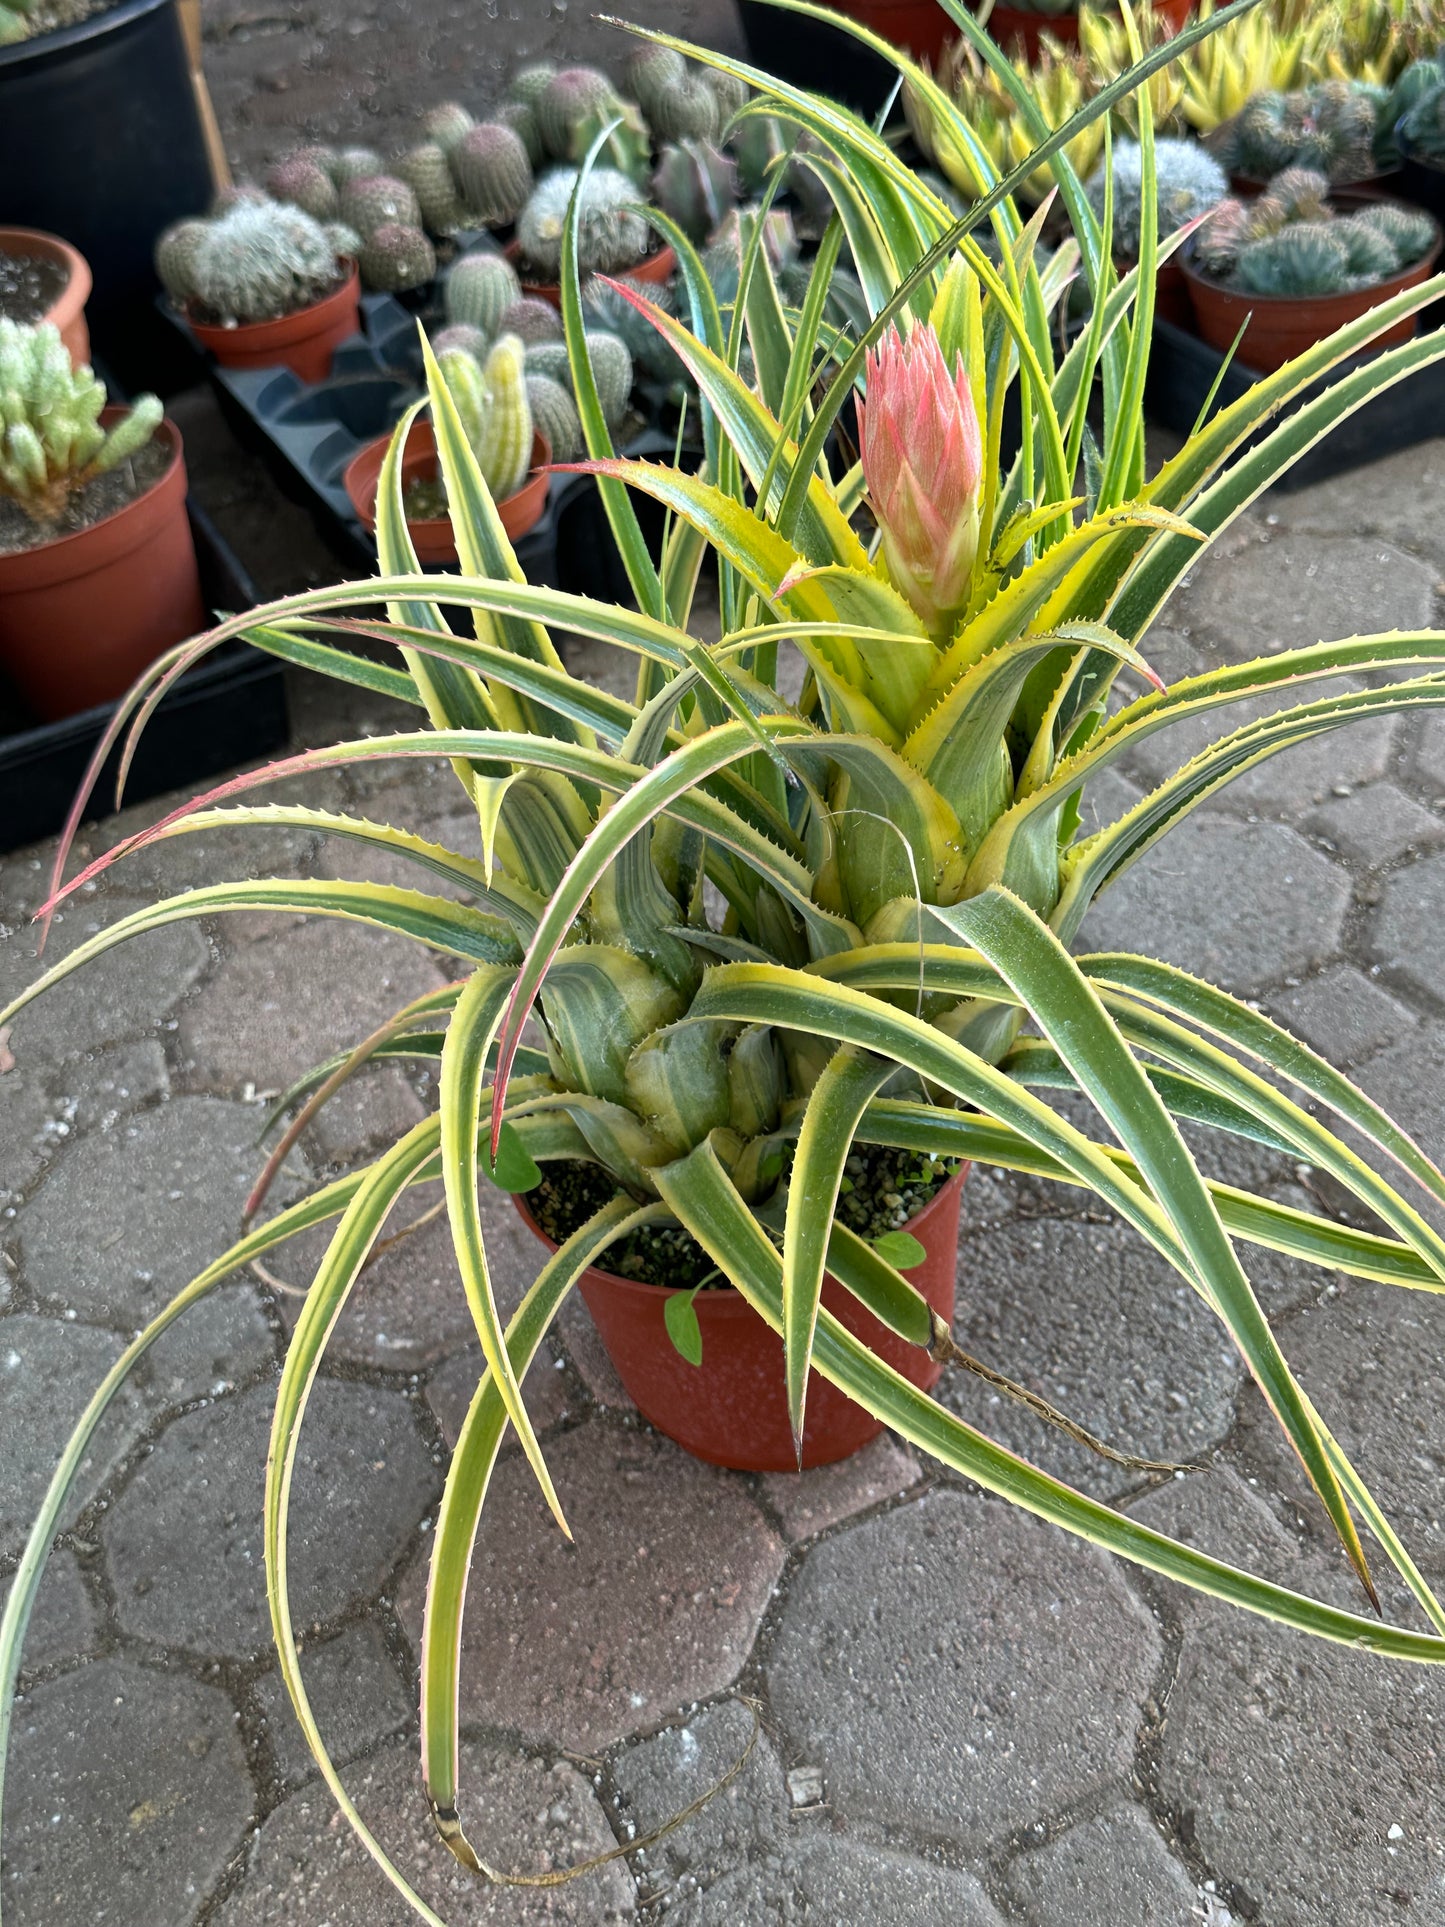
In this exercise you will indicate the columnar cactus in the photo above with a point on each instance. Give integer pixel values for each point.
(697, 185)
(480, 287)
(492, 172)
(427, 172)
(529, 83)
(606, 309)
(51, 439)
(531, 321)
(444, 124)
(612, 370)
(370, 201)
(1422, 129)
(303, 181)
(522, 119)
(175, 257)
(565, 101)
(396, 257)
(254, 263)
(355, 164)
(462, 335)
(1189, 183)
(504, 447)
(612, 235)
(555, 413)
(678, 102)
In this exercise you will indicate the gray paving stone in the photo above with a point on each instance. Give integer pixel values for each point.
(1092, 1320)
(127, 1796)
(1287, 591)
(1244, 904)
(1111, 1871)
(1430, 753)
(1398, 496)
(1405, 934)
(1377, 825)
(199, 857)
(306, 1869)
(810, 1502)
(1288, 1761)
(184, 1538)
(587, 1352)
(959, 1669)
(657, 1601)
(48, 1370)
(839, 1880)
(1342, 1013)
(282, 1006)
(451, 1386)
(129, 1216)
(222, 1342)
(356, 1694)
(366, 1114)
(1409, 1081)
(45, 1109)
(63, 1621)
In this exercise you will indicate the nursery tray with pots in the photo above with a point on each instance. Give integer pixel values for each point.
(229, 709)
(1183, 369)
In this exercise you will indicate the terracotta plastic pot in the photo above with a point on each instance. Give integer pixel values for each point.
(1171, 297)
(1281, 327)
(733, 1408)
(67, 311)
(82, 616)
(657, 269)
(432, 538)
(920, 27)
(304, 341)
(1007, 24)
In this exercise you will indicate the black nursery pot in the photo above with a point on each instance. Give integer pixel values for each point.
(101, 142)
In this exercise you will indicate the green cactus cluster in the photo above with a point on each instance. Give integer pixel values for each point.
(697, 184)
(491, 399)
(1290, 242)
(1420, 127)
(256, 261)
(612, 236)
(1331, 127)
(51, 438)
(1189, 182)
(479, 289)
(493, 173)
(555, 414)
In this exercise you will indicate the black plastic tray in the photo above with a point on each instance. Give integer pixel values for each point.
(1182, 370)
(229, 709)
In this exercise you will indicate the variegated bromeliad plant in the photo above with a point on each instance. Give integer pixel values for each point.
(896, 851)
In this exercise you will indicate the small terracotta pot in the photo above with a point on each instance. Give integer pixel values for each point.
(67, 312)
(920, 27)
(82, 616)
(432, 538)
(304, 341)
(732, 1409)
(1283, 326)
(1007, 24)
(657, 269)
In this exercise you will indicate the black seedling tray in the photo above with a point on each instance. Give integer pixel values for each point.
(229, 709)
(1182, 370)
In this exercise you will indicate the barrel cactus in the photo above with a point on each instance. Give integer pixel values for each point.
(371, 201)
(1189, 183)
(175, 257)
(1290, 243)
(355, 164)
(612, 370)
(612, 233)
(529, 83)
(444, 124)
(1330, 126)
(480, 287)
(255, 263)
(697, 185)
(675, 97)
(427, 172)
(554, 413)
(492, 172)
(1422, 130)
(461, 334)
(305, 182)
(51, 439)
(565, 101)
(397, 257)
(531, 320)
(522, 119)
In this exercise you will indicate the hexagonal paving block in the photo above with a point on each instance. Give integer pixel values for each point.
(1377, 825)
(64, 1621)
(959, 1669)
(307, 1869)
(1405, 934)
(450, 1389)
(1409, 1081)
(809, 1502)
(127, 1795)
(1111, 1871)
(355, 1691)
(1399, 496)
(1342, 1013)
(1244, 904)
(184, 1538)
(656, 1602)
(1091, 1319)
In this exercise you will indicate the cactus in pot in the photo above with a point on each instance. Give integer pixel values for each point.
(613, 233)
(491, 399)
(492, 173)
(369, 201)
(675, 97)
(51, 439)
(396, 258)
(479, 289)
(256, 262)
(428, 173)
(555, 414)
(1330, 126)
(1289, 242)
(305, 182)
(443, 125)
(1189, 183)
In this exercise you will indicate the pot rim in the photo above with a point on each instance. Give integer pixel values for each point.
(542, 460)
(56, 40)
(252, 330)
(726, 1294)
(57, 545)
(1380, 289)
(78, 279)
(541, 289)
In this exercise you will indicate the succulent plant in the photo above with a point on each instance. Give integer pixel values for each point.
(1421, 130)
(444, 124)
(528, 84)
(522, 119)
(567, 100)
(612, 369)
(531, 320)
(493, 173)
(371, 201)
(555, 413)
(683, 107)
(175, 255)
(479, 289)
(1307, 259)
(504, 446)
(355, 164)
(396, 257)
(1330, 126)
(464, 336)
(1289, 241)
(612, 235)
(1189, 182)
(51, 439)
(344, 240)
(256, 262)
(428, 173)
(729, 91)
(697, 185)
(237, 194)
(609, 312)
(304, 181)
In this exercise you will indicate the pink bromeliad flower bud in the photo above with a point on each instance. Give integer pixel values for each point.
(923, 459)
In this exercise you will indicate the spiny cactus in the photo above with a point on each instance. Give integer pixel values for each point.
(480, 287)
(51, 440)
(531, 321)
(492, 173)
(612, 370)
(555, 413)
(612, 235)
(428, 174)
(1422, 130)
(652, 356)
(566, 100)
(1330, 126)
(1409, 231)
(697, 185)
(676, 98)
(522, 120)
(504, 447)
(256, 263)
(1189, 182)
(305, 182)
(1370, 254)
(728, 91)
(444, 124)
(1290, 242)
(396, 257)
(371, 201)
(461, 335)
(344, 240)
(529, 83)
(355, 164)
(175, 257)
(1305, 260)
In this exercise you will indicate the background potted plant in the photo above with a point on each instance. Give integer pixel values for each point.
(1332, 127)
(43, 278)
(1187, 184)
(1024, 27)
(898, 853)
(1419, 133)
(97, 568)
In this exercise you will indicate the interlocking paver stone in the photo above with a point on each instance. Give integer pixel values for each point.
(1399, 496)
(657, 1602)
(355, 1691)
(810, 1502)
(1091, 1319)
(63, 1621)
(1409, 1081)
(184, 1538)
(960, 1669)
(1377, 825)
(127, 1795)
(450, 1388)
(1342, 1012)
(1111, 1871)
(1406, 931)
(279, 1007)
(1243, 904)
(306, 1868)
(838, 1880)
